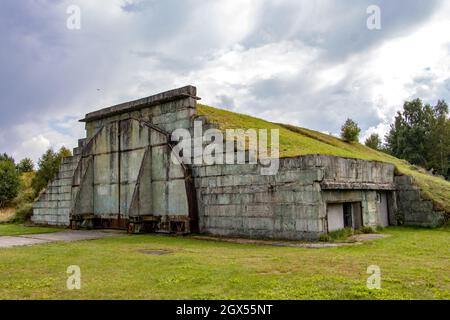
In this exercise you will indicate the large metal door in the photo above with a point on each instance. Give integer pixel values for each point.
(335, 216)
(382, 208)
(118, 155)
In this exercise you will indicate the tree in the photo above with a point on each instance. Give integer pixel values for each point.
(9, 182)
(6, 157)
(373, 141)
(421, 135)
(438, 140)
(25, 165)
(64, 153)
(49, 165)
(350, 131)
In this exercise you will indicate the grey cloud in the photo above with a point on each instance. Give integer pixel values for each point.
(429, 87)
(225, 102)
(325, 110)
(339, 27)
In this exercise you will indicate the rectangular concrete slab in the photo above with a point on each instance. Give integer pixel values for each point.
(69, 235)
(8, 242)
(74, 235)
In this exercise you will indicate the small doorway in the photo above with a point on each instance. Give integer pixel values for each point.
(348, 221)
(344, 215)
(382, 209)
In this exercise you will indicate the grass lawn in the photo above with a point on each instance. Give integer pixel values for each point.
(415, 263)
(17, 229)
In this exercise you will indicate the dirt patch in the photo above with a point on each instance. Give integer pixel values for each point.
(155, 252)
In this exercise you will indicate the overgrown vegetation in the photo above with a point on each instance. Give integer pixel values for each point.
(49, 165)
(20, 184)
(296, 141)
(343, 235)
(340, 235)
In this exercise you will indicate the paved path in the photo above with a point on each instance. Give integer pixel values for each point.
(355, 240)
(68, 235)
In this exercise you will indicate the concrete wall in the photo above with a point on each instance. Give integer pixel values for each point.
(235, 200)
(415, 210)
(55, 202)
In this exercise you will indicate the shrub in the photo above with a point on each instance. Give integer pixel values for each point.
(23, 212)
(337, 235)
(399, 217)
(324, 237)
(9, 182)
(373, 141)
(26, 192)
(350, 131)
(366, 229)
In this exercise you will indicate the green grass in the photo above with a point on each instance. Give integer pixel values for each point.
(414, 265)
(295, 141)
(340, 235)
(18, 229)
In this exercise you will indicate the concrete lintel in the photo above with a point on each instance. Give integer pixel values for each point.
(163, 97)
(334, 185)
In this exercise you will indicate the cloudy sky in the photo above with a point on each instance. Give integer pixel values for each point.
(308, 63)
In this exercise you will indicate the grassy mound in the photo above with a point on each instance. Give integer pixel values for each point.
(296, 141)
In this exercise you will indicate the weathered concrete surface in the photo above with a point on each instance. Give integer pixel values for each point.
(54, 204)
(415, 210)
(291, 244)
(75, 235)
(236, 200)
(67, 236)
(8, 241)
(122, 168)
(369, 236)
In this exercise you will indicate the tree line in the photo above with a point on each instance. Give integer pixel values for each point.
(420, 134)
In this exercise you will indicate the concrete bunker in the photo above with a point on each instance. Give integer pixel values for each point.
(121, 176)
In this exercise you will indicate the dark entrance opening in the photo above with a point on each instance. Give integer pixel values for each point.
(348, 221)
